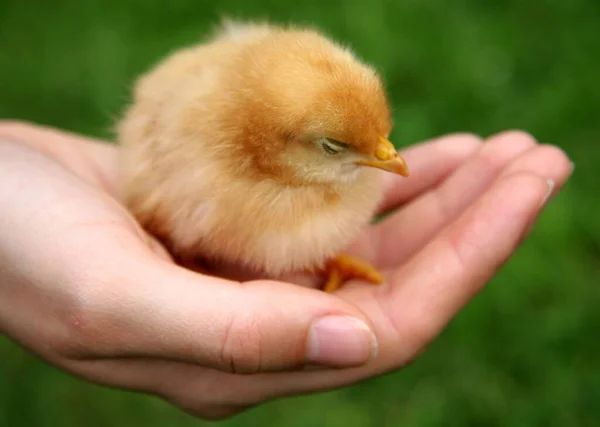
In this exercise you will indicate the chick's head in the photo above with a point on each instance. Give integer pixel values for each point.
(307, 111)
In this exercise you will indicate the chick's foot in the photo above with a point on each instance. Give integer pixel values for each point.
(346, 267)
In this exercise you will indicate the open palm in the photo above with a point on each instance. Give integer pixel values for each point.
(86, 288)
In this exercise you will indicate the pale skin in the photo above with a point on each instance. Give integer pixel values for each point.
(86, 289)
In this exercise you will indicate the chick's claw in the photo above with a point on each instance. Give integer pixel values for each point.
(346, 267)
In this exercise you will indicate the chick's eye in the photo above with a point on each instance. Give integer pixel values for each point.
(332, 147)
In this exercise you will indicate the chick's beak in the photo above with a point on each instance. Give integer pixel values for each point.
(387, 158)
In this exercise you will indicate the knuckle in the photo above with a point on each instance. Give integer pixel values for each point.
(471, 141)
(241, 347)
(515, 137)
(545, 160)
(503, 148)
(468, 141)
(461, 145)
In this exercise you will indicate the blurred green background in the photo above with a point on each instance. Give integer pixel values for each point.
(526, 352)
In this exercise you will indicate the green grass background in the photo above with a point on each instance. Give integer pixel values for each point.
(526, 352)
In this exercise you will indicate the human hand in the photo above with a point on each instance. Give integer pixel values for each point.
(85, 288)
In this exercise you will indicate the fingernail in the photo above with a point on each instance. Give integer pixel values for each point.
(341, 341)
(547, 196)
(549, 191)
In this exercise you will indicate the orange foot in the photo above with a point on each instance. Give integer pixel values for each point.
(346, 267)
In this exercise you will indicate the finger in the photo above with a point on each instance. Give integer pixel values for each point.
(433, 287)
(450, 270)
(547, 161)
(92, 160)
(247, 390)
(395, 238)
(405, 232)
(418, 307)
(147, 308)
(202, 392)
(429, 163)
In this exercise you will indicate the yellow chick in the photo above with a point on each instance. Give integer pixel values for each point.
(259, 149)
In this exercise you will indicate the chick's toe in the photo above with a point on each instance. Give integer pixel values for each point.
(346, 267)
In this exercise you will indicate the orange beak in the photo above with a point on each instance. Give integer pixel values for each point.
(386, 158)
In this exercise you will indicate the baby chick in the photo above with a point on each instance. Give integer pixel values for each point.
(259, 149)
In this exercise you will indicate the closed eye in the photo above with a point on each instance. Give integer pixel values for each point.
(332, 146)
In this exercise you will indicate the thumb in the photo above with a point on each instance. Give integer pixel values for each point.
(164, 311)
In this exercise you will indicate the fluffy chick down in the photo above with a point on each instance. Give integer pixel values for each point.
(216, 154)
